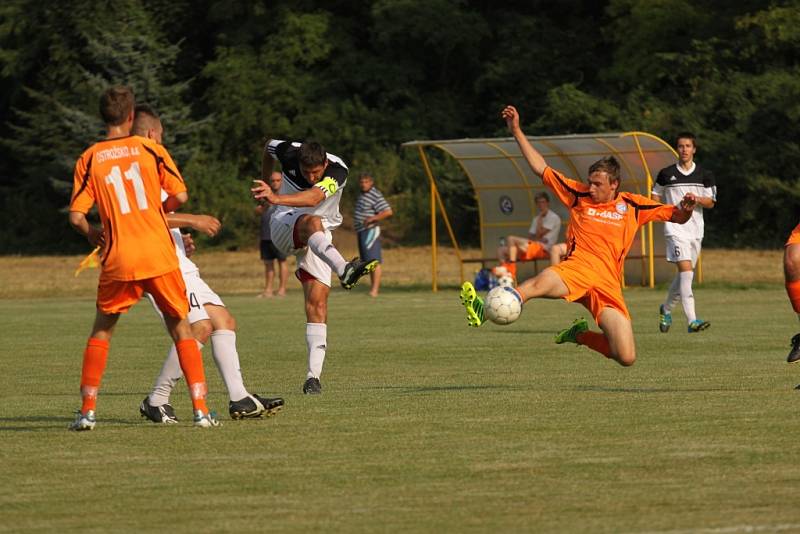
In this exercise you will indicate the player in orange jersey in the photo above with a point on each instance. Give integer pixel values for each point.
(791, 273)
(603, 223)
(124, 176)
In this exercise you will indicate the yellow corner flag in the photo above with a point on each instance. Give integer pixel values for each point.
(90, 261)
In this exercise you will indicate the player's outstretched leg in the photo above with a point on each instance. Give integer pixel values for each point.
(698, 325)
(473, 303)
(571, 334)
(794, 354)
(354, 270)
(254, 406)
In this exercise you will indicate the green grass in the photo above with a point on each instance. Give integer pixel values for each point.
(423, 425)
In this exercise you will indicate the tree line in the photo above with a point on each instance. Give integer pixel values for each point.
(363, 77)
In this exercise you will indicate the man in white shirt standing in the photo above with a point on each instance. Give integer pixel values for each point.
(684, 241)
(542, 235)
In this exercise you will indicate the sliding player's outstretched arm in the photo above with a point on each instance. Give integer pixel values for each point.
(532, 156)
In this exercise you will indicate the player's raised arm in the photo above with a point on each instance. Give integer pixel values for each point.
(684, 209)
(532, 156)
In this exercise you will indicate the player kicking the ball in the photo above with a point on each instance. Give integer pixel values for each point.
(208, 316)
(307, 211)
(603, 223)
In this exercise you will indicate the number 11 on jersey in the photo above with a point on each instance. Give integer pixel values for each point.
(135, 176)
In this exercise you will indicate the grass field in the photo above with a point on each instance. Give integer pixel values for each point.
(423, 425)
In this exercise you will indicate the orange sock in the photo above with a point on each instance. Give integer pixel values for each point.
(793, 290)
(94, 363)
(192, 366)
(595, 341)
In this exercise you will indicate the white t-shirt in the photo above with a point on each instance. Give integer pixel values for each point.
(552, 223)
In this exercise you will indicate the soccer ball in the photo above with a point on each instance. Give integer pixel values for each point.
(505, 281)
(502, 305)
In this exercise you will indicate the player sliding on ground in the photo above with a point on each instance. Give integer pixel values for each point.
(603, 223)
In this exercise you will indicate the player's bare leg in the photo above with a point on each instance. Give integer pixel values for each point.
(283, 276)
(375, 281)
(618, 332)
(316, 301)
(546, 284)
(269, 278)
(791, 273)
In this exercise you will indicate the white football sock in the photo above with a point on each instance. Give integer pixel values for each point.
(322, 247)
(170, 374)
(316, 339)
(674, 294)
(223, 347)
(687, 297)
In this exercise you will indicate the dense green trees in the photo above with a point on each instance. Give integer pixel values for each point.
(362, 77)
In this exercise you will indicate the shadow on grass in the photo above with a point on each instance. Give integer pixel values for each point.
(34, 423)
(604, 389)
(436, 389)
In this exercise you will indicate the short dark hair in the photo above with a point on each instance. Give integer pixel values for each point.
(366, 175)
(541, 194)
(686, 135)
(144, 117)
(608, 165)
(312, 154)
(116, 104)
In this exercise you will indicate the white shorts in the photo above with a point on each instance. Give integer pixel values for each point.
(682, 249)
(199, 294)
(281, 229)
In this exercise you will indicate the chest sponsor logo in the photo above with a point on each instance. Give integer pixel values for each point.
(604, 214)
(621, 208)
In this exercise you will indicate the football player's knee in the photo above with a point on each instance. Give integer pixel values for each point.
(626, 358)
(201, 330)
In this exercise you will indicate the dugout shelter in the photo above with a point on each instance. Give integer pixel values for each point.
(504, 188)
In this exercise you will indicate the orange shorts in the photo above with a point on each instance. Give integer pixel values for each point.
(586, 288)
(794, 237)
(535, 251)
(168, 290)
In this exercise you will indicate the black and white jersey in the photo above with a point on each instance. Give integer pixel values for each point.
(673, 183)
(293, 182)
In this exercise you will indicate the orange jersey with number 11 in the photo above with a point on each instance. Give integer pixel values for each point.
(124, 177)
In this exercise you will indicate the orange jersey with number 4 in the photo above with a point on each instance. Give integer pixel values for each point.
(600, 235)
(124, 177)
